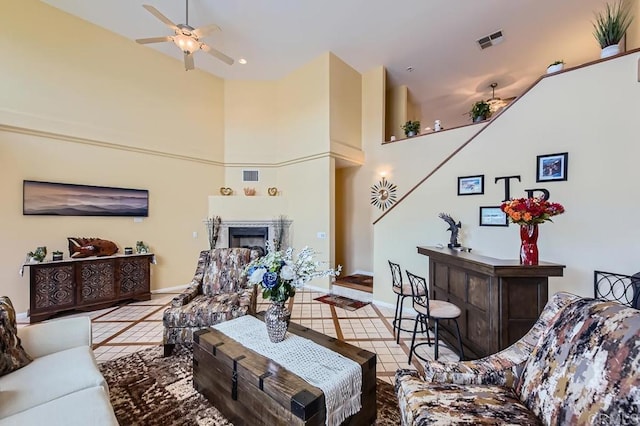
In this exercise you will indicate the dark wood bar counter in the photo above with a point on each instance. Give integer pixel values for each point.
(500, 299)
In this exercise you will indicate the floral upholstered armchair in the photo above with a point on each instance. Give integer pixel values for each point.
(218, 292)
(578, 365)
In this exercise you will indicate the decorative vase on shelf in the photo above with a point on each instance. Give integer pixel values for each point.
(610, 50)
(277, 321)
(529, 244)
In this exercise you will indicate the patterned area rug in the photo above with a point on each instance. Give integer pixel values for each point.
(147, 389)
(341, 302)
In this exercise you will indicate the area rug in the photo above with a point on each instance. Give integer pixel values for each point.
(364, 280)
(341, 302)
(148, 389)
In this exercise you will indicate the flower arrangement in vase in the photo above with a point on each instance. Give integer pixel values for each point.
(279, 274)
(528, 213)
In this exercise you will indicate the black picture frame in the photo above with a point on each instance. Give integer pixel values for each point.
(552, 167)
(471, 185)
(492, 216)
(66, 199)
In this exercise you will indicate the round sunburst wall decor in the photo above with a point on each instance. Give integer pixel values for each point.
(383, 194)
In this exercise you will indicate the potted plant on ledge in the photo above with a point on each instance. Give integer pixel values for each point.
(610, 26)
(411, 128)
(480, 111)
(555, 67)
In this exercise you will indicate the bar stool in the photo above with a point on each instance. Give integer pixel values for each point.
(435, 310)
(402, 291)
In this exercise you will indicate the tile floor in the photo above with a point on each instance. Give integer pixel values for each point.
(120, 330)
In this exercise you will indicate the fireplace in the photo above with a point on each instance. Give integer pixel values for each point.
(249, 237)
(254, 233)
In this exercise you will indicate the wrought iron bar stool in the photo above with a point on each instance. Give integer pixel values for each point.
(402, 291)
(435, 310)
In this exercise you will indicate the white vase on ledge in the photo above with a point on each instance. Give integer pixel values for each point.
(614, 49)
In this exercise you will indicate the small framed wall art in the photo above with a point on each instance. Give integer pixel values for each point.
(552, 167)
(471, 185)
(493, 216)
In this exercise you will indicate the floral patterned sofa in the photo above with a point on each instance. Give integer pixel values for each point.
(578, 365)
(218, 292)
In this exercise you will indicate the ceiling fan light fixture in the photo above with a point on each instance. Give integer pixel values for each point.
(185, 43)
(495, 104)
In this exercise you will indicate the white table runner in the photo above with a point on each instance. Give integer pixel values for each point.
(339, 377)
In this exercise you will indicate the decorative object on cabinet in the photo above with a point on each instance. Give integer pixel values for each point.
(128, 250)
(226, 191)
(37, 255)
(493, 216)
(273, 191)
(383, 194)
(64, 199)
(56, 255)
(480, 111)
(411, 128)
(453, 227)
(528, 213)
(610, 27)
(141, 247)
(471, 185)
(87, 284)
(552, 167)
(213, 230)
(85, 247)
(249, 191)
(555, 67)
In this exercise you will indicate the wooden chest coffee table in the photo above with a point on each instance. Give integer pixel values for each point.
(250, 389)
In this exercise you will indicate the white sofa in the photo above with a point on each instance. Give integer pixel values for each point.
(62, 385)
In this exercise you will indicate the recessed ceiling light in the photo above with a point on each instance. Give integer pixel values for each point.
(242, 61)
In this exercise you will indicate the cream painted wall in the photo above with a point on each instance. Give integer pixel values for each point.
(396, 111)
(70, 112)
(121, 92)
(250, 111)
(345, 93)
(303, 111)
(599, 229)
(633, 33)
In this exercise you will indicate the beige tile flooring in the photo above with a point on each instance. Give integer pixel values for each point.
(120, 330)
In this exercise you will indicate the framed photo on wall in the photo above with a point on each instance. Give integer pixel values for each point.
(66, 199)
(552, 167)
(493, 216)
(471, 185)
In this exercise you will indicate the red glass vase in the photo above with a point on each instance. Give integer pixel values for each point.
(529, 244)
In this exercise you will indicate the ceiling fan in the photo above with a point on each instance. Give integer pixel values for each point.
(496, 104)
(186, 38)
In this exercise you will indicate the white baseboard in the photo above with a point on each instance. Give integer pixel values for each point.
(170, 289)
(22, 316)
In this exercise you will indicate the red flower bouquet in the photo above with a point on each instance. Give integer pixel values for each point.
(529, 211)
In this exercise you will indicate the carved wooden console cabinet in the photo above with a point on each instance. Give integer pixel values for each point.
(87, 284)
(500, 299)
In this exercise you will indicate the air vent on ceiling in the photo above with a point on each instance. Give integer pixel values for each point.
(250, 176)
(491, 40)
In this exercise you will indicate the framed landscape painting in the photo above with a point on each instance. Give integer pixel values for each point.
(65, 199)
(471, 185)
(551, 167)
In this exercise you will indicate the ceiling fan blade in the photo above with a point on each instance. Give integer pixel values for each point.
(153, 40)
(206, 30)
(216, 53)
(160, 16)
(188, 61)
